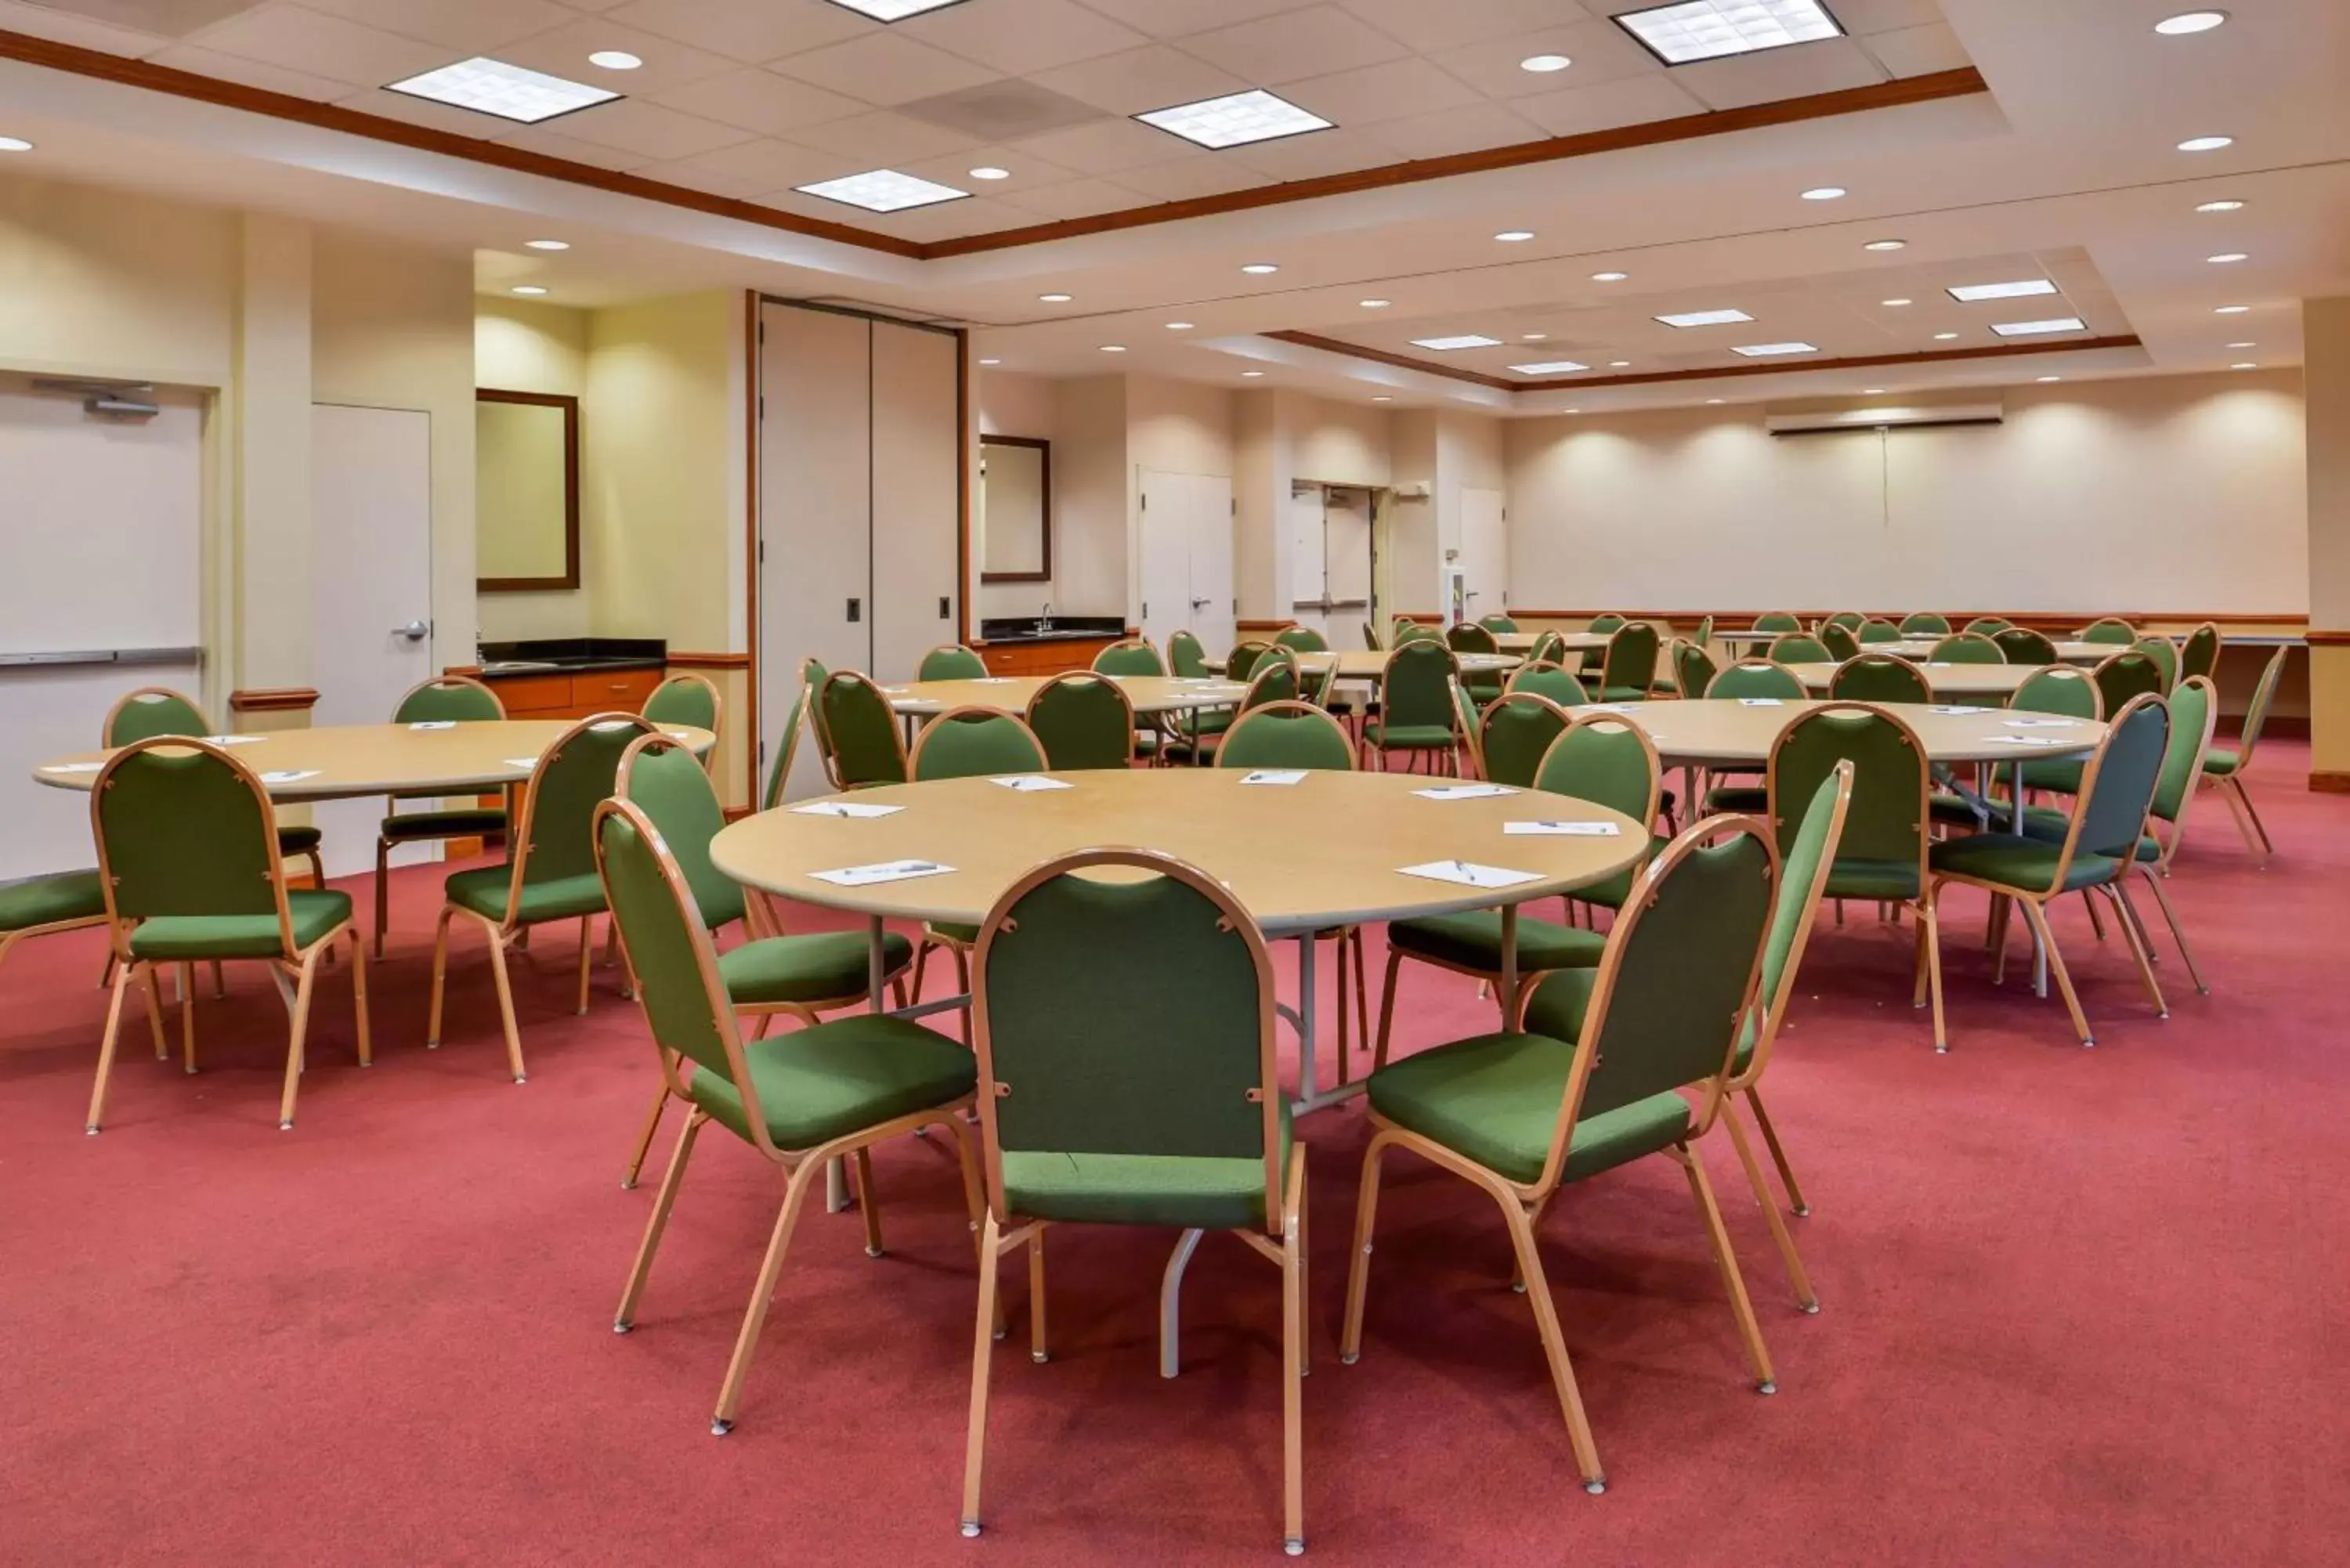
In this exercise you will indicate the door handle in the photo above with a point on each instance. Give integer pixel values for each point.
(414, 631)
(1199, 604)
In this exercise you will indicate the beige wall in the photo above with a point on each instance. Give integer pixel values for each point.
(1013, 404)
(1091, 481)
(2325, 339)
(526, 346)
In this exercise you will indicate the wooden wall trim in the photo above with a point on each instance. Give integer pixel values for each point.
(274, 700)
(2328, 782)
(754, 754)
(1267, 624)
(2323, 639)
(709, 661)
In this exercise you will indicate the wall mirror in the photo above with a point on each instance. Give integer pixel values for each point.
(526, 491)
(1016, 496)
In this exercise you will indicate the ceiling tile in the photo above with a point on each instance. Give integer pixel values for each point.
(1077, 199)
(250, 73)
(1455, 130)
(1372, 93)
(668, 64)
(1432, 25)
(1778, 74)
(1314, 42)
(747, 169)
(320, 45)
(1174, 18)
(1312, 155)
(471, 26)
(752, 31)
(885, 67)
(424, 112)
(40, 22)
(1021, 36)
(1153, 76)
(947, 220)
(1869, 16)
(761, 101)
(1600, 50)
(1197, 174)
(1106, 147)
(633, 125)
(1636, 100)
(1024, 170)
(1916, 51)
(882, 139)
(556, 144)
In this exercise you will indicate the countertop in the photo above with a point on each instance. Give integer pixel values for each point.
(567, 655)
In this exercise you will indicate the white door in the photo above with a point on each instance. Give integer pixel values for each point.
(1484, 553)
(370, 592)
(1346, 565)
(1166, 555)
(1211, 531)
(917, 495)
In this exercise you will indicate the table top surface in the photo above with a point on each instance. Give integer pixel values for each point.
(1575, 641)
(1370, 663)
(1323, 852)
(1012, 693)
(347, 760)
(1999, 681)
(2069, 653)
(1715, 732)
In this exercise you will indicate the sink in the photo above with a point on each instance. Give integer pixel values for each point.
(518, 666)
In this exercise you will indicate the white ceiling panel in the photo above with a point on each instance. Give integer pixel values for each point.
(1600, 50)
(557, 144)
(886, 67)
(667, 63)
(468, 26)
(634, 125)
(1017, 37)
(63, 27)
(1312, 42)
(1635, 100)
(882, 139)
(1107, 147)
(748, 169)
(1368, 94)
(1869, 17)
(750, 31)
(251, 73)
(761, 100)
(1310, 156)
(1023, 170)
(1175, 18)
(424, 112)
(1133, 80)
(1429, 26)
(1915, 51)
(1077, 198)
(950, 220)
(1456, 131)
(320, 45)
(1829, 66)
(1186, 178)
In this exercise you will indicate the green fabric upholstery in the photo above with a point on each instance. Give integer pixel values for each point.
(1497, 623)
(2226, 763)
(951, 662)
(2050, 825)
(1301, 639)
(829, 1080)
(780, 773)
(445, 701)
(1415, 700)
(1610, 764)
(1129, 658)
(1417, 631)
(313, 915)
(1495, 1098)
(46, 900)
(860, 731)
(1850, 621)
(2221, 762)
(1630, 668)
(1967, 647)
(2021, 645)
(1561, 686)
(1986, 625)
(1602, 624)
(1841, 642)
(2113, 814)
(820, 966)
(1880, 678)
(1876, 631)
(1186, 658)
(1472, 939)
(1796, 649)
(1560, 1001)
(484, 891)
(671, 787)
(1793, 906)
(186, 835)
(1084, 721)
(1516, 733)
(1777, 620)
(1286, 737)
(2165, 654)
(2199, 655)
(145, 714)
(558, 861)
(1693, 668)
(1550, 647)
(1204, 1192)
(2190, 732)
(1755, 678)
(459, 701)
(683, 700)
(1275, 681)
(2019, 861)
(2110, 629)
(1241, 663)
(1925, 623)
(665, 948)
(1737, 797)
(458, 822)
(1470, 637)
(2130, 673)
(1883, 852)
(1371, 638)
(2060, 689)
(1389, 737)
(973, 745)
(299, 840)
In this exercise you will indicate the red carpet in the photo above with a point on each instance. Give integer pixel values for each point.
(2081, 1307)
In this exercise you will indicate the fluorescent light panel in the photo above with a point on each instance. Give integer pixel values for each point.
(1704, 317)
(510, 92)
(894, 10)
(2034, 328)
(1464, 340)
(1712, 29)
(1767, 351)
(1968, 292)
(883, 190)
(1235, 120)
(1550, 368)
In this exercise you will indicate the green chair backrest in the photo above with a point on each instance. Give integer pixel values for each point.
(1605, 623)
(2199, 655)
(2122, 676)
(1286, 735)
(1703, 635)
(1757, 677)
(557, 838)
(1777, 620)
(1851, 620)
(1497, 623)
(2165, 654)
(1795, 648)
(2194, 713)
(2063, 689)
(1371, 637)
(184, 828)
(2118, 787)
(1128, 1019)
(454, 700)
(1986, 625)
(1242, 662)
(1693, 668)
(951, 661)
(1888, 820)
(780, 774)
(152, 711)
(2111, 629)
(1876, 631)
(1810, 856)
(1925, 623)
(684, 700)
(1276, 681)
(1418, 631)
(1083, 721)
(1967, 647)
(2021, 645)
(860, 731)
(1469, 637)
(1186, 658)
(1302, 639)
(1465, 727)
(669, 785)
(1135, 658)
(1417, 687)
(1631, 657)
(1840, 642)
(1601, 758)
(1880, 678)
(972, 742)
(1516, 735)
(2257, 714)
(1550, 647)
(1560, 685)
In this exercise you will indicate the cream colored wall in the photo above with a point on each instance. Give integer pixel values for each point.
(1337, 444)
(103, 282)
(2325, 340)
(1172, 427)
(1013, 404)
(526, 345)
(1091, 482)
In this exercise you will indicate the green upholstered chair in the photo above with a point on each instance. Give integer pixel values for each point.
(1418, 631)
(451, 700)
(1876, 631)
(1186, 658)
(1756, 678)
(1514, 735)
(1275, 679)
(1127, 1076)
(857, 732)
(951, 661)
(1986, 626)
(1469, 757)
(1880, 678)
(2061, 689)
(1602, 624)
(1241, 663)
(1550, 647)
(969, 743)
(1132, 657)
(1561, 686)
(2132, 672)
(153, 711)
(2111, 629)
(1841, 641)
(1777, 621)
(1851, 620)
(1301, 639)
(1468, 637)
(1371, 637)
(1083, 721)
(1287, 735)
(2165, 654)
(191, 872)
(1925, 623)
(1522, 1115)
(802, 977)
(1966, 647)
(800, 1100)
(1703, 635)
(2096, 851)
(687, 699)
(1497, 623)
(2021, 645)
(1800, 647)
(550, 870)
(1693, 667)
(779, 775)
(1887, 829)
(46, 906)
(1630, 671)
(1598, 758)
(1414, 704)
(2200, 654)
(2223, 768)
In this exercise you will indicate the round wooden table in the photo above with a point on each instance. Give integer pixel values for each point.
(1368, 664)
(1915, 648)
(1738, 732)
(341, 762)
(1968, 682)
(1523, 642)
(1012, 693)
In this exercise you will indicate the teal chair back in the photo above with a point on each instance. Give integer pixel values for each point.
(184, 829)
(1301, 639)
(1777, 620)
(858, 732)
(149, 712)
(1850, 621)
(666, 783)
(684, 700)
(2130, 673)
(1186, 658)
(1134, 658)
(1560, 685)
(2111, 629)
(1967, 647)
(951, 661)
(1241, 663)
(1276, 681)
(2200, 653)
(1925, 623)
(1286, 735)
(2118, 785)
(1516, 735)
(1631, 663)
(1876, 631)
(1601, 758)
(2021, 645)
(1841, 641)
(1605, 623)
(1497, 623)
(1987, 625)
(1757, 677)
(1469, 637)
(1083, 721)
(1880, 678)
(1795, 648)
(452, 698)
(1550, 647)
(1693, 668)
(2256, 716)
(2165, 654)
(1417, 687)
(2194, 713)
(972, 743)
(1886, 829)
(2063, 689)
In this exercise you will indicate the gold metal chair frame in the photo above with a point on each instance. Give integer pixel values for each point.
(2158, 871)
(317, 865)
(954, 946)
(717, 707)
(2240, 800)
(1082, 678)
(822, 732)
(383, 846)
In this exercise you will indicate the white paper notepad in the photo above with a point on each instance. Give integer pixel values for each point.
(1561, 830)
(2038, 724)
(73, 767)
(288, 775)
(1028, 783)
(1758, 702)
(521, 761)
(1274, 777)
(1464, 792)
(881, 871)
(433, 724)
(1469, 874)
(846, 808)
(2026, 740)
(1956, 713)
(231, 740)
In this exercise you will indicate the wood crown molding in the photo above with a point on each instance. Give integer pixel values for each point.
(100, 66)
(1718, 373)
(1269, 625)
(709, 661)
(2324, 639)
(274, 700)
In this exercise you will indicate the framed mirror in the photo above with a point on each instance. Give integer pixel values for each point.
(1015, 498)
(526, 491)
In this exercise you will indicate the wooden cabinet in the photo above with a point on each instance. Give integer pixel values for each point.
(574, 695)
(1042, 657)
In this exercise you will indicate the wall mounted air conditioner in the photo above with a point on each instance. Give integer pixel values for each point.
(1878, 417)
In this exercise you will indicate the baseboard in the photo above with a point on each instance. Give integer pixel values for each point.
(2330, 782)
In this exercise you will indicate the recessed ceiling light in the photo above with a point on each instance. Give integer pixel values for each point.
(1872, 391)
(893, 10)
(527, 288)
(1571, 411)
(615, 60)
(1899, 303)
(1709, 29)
(1767, 351)
(1235, 119)
(2230, 206)
(14, 144)
(1179, 326)
(1550, 368)
(1609, 276)
(1944, 337)
(2049, 377)
(1704, 317)
(2190, 22)
(1885, 244)
(1461, 340)
(1712, 400)
(2247, 365)
(1252, 375)
(2231, 309)
(1825, 192)
(548, 245)
(1543, 64)
(1057, 298)
(1533, 336)
(2243, 345)
(2206, 143)
(510, 92)
(990, 361)
(1514, 237)
(883, 190)
(1377, 304)
(2224, 258)
(1113, 348)
(1259, 269)
(1970, 293)
(1619, 364)
(2038, 328)
(990, 172)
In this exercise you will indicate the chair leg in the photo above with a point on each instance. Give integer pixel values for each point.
(1805, 1296)
(730, 1393)
(2178, 932)
(990, 1250)
(645, 1138)
(305, 982)
(1293, 1370)
(506, 1000)
(587, 959)
(187, 1015)
(1358, 1265)
(1037, 1344)
(869, 1204)
(1387, 1010)
(1778, 1155)
(2038, 919)
(2096, 922)
(1930, 938)
(1750, 1331)
(2252, 816)
(1562, 1369)
(1362, 993)
(359, 997)
(220, 981)
(318, 871)
(382, 890)
(106, 1046)
(2138, 950)
(152, 994)
(625, 1318)
(440, 980)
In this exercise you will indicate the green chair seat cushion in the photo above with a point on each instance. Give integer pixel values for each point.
(1737, 797)
(2049, 825)
(299, 840)
(2059, 777)
(483, 892)
(1188, 1191)
(1407, 737)
(168, 937)
(1495, 1099)
(2012, 860)
(1472, 939)
(2219, 763)
(462, 822)
(45, 901)
(1853, 877)
(820, 1083)
(817, 967)
(1953, 811)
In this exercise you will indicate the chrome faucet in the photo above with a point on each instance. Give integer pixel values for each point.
(1045, 619)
